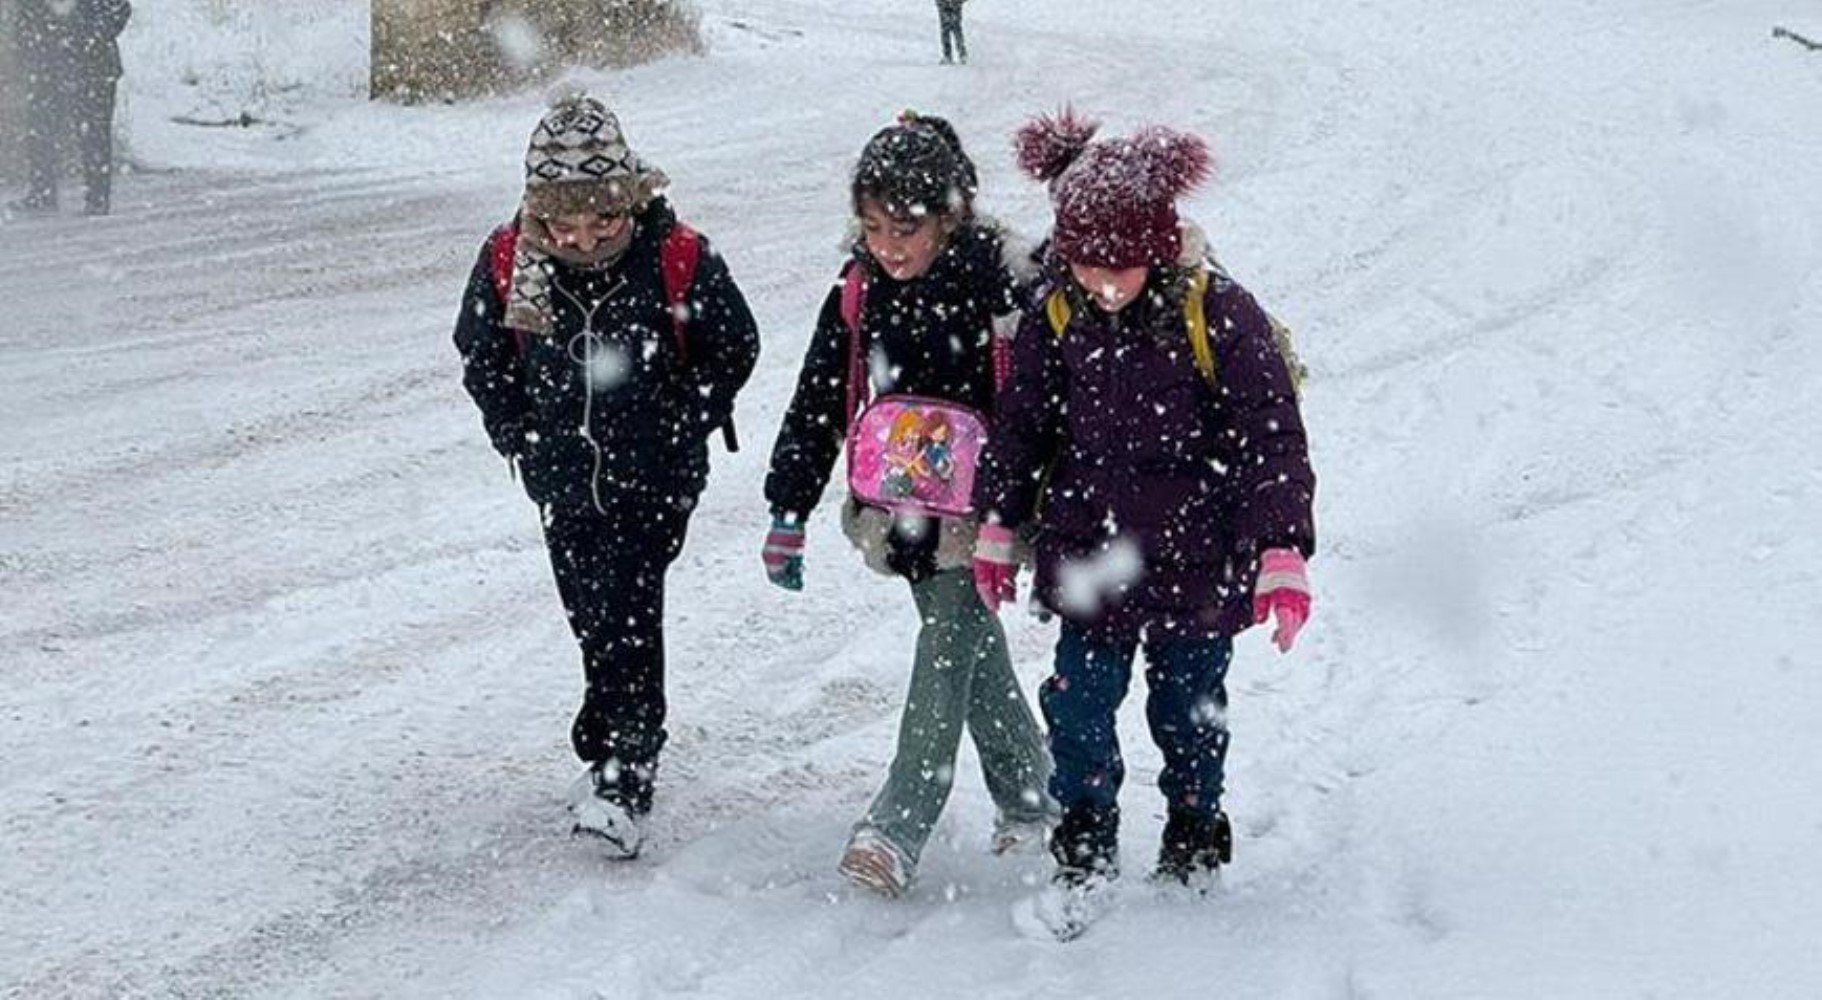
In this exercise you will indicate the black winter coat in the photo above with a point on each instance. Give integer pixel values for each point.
(930, 336)
(639, 429)
(82, 41)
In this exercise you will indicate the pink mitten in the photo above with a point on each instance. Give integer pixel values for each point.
(995, 573)
(1283, 589)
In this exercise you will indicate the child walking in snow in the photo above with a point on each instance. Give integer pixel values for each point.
(1164, 474)
(913, 320)
(603, 342)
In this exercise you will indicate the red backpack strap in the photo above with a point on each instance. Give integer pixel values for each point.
(853, 306)
(501, 247)
(678, 256)
(1002, 358)
(502, 252)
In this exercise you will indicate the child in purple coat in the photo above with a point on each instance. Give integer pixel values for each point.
(1168, 496)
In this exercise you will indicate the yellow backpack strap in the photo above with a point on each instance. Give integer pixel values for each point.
(1057, 308)
(1196, 316)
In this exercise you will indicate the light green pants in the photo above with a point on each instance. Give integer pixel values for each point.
(962, 677)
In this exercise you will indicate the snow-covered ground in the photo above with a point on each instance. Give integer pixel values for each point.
(286, 685)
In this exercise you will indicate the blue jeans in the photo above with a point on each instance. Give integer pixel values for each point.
(1187, 710)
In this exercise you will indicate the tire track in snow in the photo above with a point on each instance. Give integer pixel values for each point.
(485, 877)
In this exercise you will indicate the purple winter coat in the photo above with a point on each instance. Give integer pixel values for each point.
(1164, 490)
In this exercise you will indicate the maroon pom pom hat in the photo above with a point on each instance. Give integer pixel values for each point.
(1115, 199)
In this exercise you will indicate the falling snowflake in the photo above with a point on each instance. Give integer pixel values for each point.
(1084, 584)
(520, 42)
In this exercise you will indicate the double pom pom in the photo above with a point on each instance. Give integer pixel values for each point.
(1164, 163)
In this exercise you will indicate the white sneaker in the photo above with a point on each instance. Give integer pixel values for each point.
(600, 813)
(875, 863)
(1024, 836)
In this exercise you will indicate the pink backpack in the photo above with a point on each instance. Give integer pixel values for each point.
(909, 454)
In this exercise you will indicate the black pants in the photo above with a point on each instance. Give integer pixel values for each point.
(951, 17)
(610, 572)
(63, 109)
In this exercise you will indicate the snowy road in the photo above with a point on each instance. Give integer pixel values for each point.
(287, 687)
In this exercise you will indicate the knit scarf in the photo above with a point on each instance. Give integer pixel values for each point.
(530, 307)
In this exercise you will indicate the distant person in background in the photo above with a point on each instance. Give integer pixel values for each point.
(949, 13)
(70, 53)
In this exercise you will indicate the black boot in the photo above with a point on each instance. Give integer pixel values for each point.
(1086, 847)
(629, 786)
(1194, 845)
(1086, 844)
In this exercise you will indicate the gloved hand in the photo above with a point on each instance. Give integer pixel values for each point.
(783, 552)
(1283, 589)
(995, 573)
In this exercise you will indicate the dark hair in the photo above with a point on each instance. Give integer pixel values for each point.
(916, 166)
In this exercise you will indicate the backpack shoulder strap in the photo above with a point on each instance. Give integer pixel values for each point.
(501, 247)
(853, 307)
(1056, 308)
(1001, 346)
(853, 295)
(502, 252)
(1195, 316)
(678, 257)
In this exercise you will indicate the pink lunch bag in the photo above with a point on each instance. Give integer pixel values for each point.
(916, 455)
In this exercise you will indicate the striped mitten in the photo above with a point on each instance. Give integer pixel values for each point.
(1283, 589)
(783, 552)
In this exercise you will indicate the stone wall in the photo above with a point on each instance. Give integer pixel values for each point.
(428, 50)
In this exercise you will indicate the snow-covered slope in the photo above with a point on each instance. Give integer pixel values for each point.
(287, 686)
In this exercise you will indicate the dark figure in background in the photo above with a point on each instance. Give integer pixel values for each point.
(949, 12)
(70, 53)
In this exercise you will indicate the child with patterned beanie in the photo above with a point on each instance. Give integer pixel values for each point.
(604, 341)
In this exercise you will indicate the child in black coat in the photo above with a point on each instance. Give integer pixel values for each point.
(602, 383)
(937, 279)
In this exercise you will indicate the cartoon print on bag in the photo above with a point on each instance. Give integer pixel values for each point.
(919, 456)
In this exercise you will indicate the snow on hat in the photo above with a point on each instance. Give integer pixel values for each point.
(916, 166)
(579, 161)
(1115, 200)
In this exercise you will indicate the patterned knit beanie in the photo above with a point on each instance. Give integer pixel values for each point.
(915, 167)
(1115, 200)
(579, 161)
